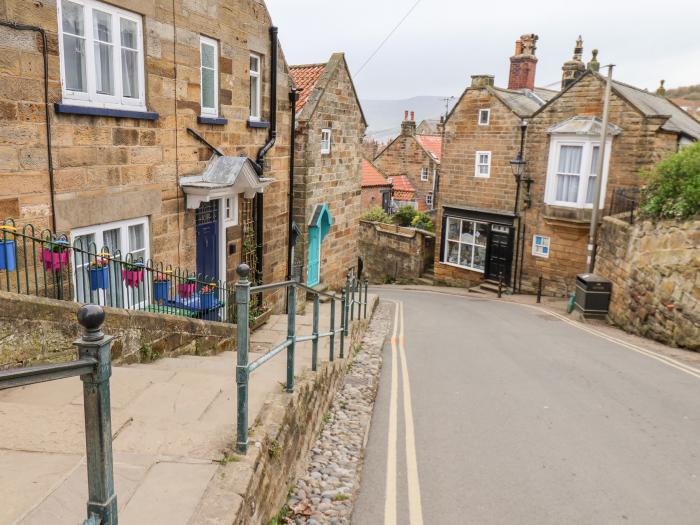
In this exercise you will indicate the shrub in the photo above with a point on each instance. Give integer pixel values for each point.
(405, 215)
(423, 222)
(376, 215)
(673, 188)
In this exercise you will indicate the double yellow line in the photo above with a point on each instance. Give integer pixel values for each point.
(414, 497)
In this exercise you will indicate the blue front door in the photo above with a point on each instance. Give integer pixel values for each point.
(207, 219)
(314, 271)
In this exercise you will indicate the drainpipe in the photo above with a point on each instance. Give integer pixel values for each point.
(271, 138)
(293, 98)
(45, 52)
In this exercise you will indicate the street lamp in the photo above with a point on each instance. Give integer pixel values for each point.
(518, 166)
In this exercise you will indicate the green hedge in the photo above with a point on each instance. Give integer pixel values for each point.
(673, 187)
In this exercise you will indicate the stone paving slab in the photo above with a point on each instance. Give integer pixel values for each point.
(172, 420)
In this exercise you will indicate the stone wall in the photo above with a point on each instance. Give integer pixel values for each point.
(332, 179)
(394, 253)
(109, 168)
(372, 197)
(655, 270)
(35, 330)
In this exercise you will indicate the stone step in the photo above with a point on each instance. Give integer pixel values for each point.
(425, 280)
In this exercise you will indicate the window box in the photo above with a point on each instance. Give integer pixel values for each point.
(102, 59)
(55, 257)
(7, 255)
(132, 274)
(99, 275)
(161, 290)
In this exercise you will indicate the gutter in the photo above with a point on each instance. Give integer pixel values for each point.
(258, 206)
(45, 53)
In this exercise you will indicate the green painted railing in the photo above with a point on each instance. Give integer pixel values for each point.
(245, 368)
(94, 366)
(45, 264)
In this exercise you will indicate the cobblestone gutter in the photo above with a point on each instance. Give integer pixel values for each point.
(251, 489)
(326, 492)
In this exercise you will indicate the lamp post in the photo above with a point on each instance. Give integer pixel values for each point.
(518, 166)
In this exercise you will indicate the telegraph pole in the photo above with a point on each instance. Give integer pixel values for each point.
(595, 212)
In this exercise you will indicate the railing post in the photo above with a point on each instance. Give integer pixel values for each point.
(331, 354)
(343, 314)
(242, 343)
(352, 300)
(366, 296)
(314, 343)
(291, 335)
(102, 501)
(539, 290)
(500, 285)
(347, 307)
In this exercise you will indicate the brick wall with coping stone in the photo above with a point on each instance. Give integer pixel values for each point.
(655, 270)
(395, 253)
(115, 162)
(36, 330)
(332, 179)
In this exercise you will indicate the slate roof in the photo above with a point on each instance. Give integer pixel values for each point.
(523, 102)
(371, 176)
(432, 144)
(305, 78)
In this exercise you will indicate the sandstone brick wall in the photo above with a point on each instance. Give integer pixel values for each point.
(639, 146)
(372, 197)
(404, 156)
(118, 161)
(394, 253)
(35, 330)
(655, 270)
(332, 179)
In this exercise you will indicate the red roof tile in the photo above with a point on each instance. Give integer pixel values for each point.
(371, 176)
(404, 195)
(432, 143)
(402, 183)
(305, 78)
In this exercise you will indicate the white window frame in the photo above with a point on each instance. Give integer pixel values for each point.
(486, 112)
(478, 164)
(91, 97)
(459, 254)
(205, 41)
(429, 199)
(230, 210)
(256, 76)
(541, 249)
(424, 174)
(588, 144)
(326, 142)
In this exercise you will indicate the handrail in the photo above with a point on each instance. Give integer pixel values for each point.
(244, 289)
(94, 366)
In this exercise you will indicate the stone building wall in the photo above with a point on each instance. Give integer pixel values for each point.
(394, 253)
(404, 156)
(332, 179)
(655, 271)
(458, 184)
(109, 169)
(372, 197)
(638, 146)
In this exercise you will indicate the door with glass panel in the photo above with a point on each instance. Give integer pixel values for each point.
(124, 246)
(500, 253)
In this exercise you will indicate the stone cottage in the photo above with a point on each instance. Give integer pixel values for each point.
(483, 231)
(376, 189)
(330, 126)
(416, 157)
(142, 104)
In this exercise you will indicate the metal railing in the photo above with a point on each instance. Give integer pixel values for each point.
(244, 367)
(94, 366)
(48, 265)
(625, 203)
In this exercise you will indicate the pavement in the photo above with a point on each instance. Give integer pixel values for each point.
(499, 412)
(171, 421)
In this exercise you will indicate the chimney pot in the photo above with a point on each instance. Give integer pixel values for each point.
(405, 115)
(413, 116)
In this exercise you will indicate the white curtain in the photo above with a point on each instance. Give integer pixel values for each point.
(569, 173)
(594, 173)
(73, 24)
(130, 58)
(104, 61)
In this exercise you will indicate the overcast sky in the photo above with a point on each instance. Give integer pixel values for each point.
(444, 42)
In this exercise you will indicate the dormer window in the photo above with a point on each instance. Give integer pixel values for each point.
(484, 117)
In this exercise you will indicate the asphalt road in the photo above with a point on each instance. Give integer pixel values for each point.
(518, 417)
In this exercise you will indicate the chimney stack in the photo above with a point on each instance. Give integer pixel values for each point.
(481, 81)
(575, 67)
(523, 64)
(594, 65)
(408, 127)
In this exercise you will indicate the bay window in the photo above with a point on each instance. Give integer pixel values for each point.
(572, 173)
(101, 50)
(465, 243)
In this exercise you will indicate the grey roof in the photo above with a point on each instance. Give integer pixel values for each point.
(652, 105)
(580, 125)
(523, 102)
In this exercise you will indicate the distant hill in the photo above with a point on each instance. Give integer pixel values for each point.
(385, 116)
(686, 92)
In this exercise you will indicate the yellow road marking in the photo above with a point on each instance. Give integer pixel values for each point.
(391, 466)
(414, 496)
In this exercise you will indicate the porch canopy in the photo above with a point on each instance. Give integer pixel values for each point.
(223, 177)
